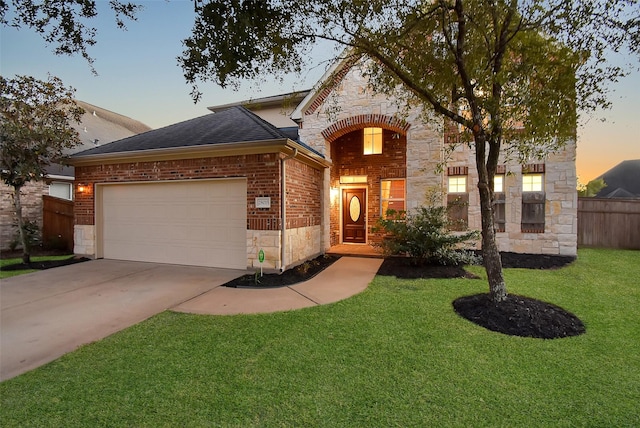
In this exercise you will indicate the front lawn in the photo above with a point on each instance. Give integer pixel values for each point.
(395, 355)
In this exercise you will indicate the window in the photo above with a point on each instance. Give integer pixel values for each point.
(532, 183)
(392, 196)
(499, 214)
(61, 190)
(498, 183)
(458, 184)
(458, 197)
(372, 141)
(533, 201)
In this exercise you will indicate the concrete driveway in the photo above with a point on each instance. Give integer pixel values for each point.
(49, 313)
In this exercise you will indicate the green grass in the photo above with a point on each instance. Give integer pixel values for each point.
(10, 273)
(395, 355)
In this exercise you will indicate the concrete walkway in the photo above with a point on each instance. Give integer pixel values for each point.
(45, 314)
(344, 278)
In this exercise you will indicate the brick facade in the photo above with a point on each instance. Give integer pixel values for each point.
(31, 198)
(263, 174)
(349, 160)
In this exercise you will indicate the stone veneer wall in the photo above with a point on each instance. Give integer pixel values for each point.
(561, 206)
(351, 98)
(31, 198)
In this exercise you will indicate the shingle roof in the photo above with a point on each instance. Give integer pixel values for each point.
(623, 180)
(234, 125)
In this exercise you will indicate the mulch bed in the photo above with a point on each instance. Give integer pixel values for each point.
(41, 265)
(402, 267)
(519, 316)
(300, 273)
(535, 261)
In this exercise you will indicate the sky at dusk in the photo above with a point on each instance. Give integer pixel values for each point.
(138, 76)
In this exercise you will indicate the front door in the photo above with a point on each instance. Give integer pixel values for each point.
(354, 208)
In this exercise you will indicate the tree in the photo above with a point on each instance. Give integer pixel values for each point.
(35, 131)
(592, 188)
(63, 23)
(510, 74)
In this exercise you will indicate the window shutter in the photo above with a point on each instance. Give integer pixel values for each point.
(458, 210)
(499, 214)
(533, 212)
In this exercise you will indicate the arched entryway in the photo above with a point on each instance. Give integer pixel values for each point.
(367, 175)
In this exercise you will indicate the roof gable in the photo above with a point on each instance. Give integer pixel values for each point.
(316, 97)
(234, 125)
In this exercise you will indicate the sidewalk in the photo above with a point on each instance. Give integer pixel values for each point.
(346, 277)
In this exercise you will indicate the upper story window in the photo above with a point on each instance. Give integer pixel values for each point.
(372, 141)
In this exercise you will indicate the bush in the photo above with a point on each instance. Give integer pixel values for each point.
(426, 236)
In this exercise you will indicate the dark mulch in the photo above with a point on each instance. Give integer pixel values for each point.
(535, 261)
(519, 316)
(403, 267)
(300, 273)
(47, 264)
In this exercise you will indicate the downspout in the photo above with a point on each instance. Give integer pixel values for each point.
(283, 208)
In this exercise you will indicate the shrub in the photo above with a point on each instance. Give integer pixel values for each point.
(425, 235)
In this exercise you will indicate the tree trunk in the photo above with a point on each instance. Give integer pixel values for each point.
(17, 203)
(490, 253)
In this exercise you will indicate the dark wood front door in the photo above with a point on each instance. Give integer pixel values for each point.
(354, 209)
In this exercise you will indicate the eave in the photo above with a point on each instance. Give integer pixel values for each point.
(285, 146)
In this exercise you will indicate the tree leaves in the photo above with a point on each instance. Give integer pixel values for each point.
(35, 127)
(64, 23)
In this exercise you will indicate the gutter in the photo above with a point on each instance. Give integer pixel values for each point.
(283, 208)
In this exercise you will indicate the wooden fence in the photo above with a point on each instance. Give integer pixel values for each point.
(609, 223)
(57, 223)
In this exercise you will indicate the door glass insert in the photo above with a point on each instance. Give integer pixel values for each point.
(354, 209)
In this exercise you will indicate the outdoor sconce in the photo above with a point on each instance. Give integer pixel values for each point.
(82, 188)
(334, 195)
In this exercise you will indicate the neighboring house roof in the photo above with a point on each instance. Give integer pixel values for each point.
(292, 98)
(104, 126)
(623, 181)
(229, 128)
(98, 126)
(275, 109)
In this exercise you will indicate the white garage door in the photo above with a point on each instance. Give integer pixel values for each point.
(199, 223)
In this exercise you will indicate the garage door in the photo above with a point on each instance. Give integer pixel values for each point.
(199, 223)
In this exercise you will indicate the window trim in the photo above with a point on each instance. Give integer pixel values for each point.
(373, 141)
(531, 187)
(457, 184)
(383, 212)
(67, 184)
